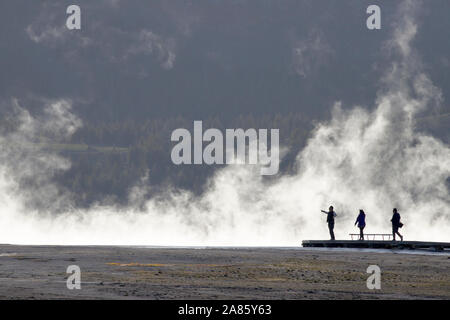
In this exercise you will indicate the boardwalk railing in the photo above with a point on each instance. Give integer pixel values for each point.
(372, 236)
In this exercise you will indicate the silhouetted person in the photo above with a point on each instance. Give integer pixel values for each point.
(361, 221)
(330, 220)
(396, 224)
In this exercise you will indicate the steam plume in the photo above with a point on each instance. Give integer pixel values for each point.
(374, 160)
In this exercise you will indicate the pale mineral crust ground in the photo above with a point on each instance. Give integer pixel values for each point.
(39, 272)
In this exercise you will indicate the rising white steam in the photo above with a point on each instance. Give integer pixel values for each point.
(373, 160)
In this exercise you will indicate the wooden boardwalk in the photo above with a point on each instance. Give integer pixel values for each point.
(377, 244)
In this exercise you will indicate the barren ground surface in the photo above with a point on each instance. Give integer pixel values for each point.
(39, 272)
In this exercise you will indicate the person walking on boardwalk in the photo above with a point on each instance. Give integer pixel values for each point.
(330, 220)
(361, 221)
(396, 224)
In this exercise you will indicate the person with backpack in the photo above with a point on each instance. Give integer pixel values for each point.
(396, 224)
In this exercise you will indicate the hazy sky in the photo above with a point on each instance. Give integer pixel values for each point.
(197, 58)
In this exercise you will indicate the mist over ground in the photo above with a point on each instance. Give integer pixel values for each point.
(368, 147)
